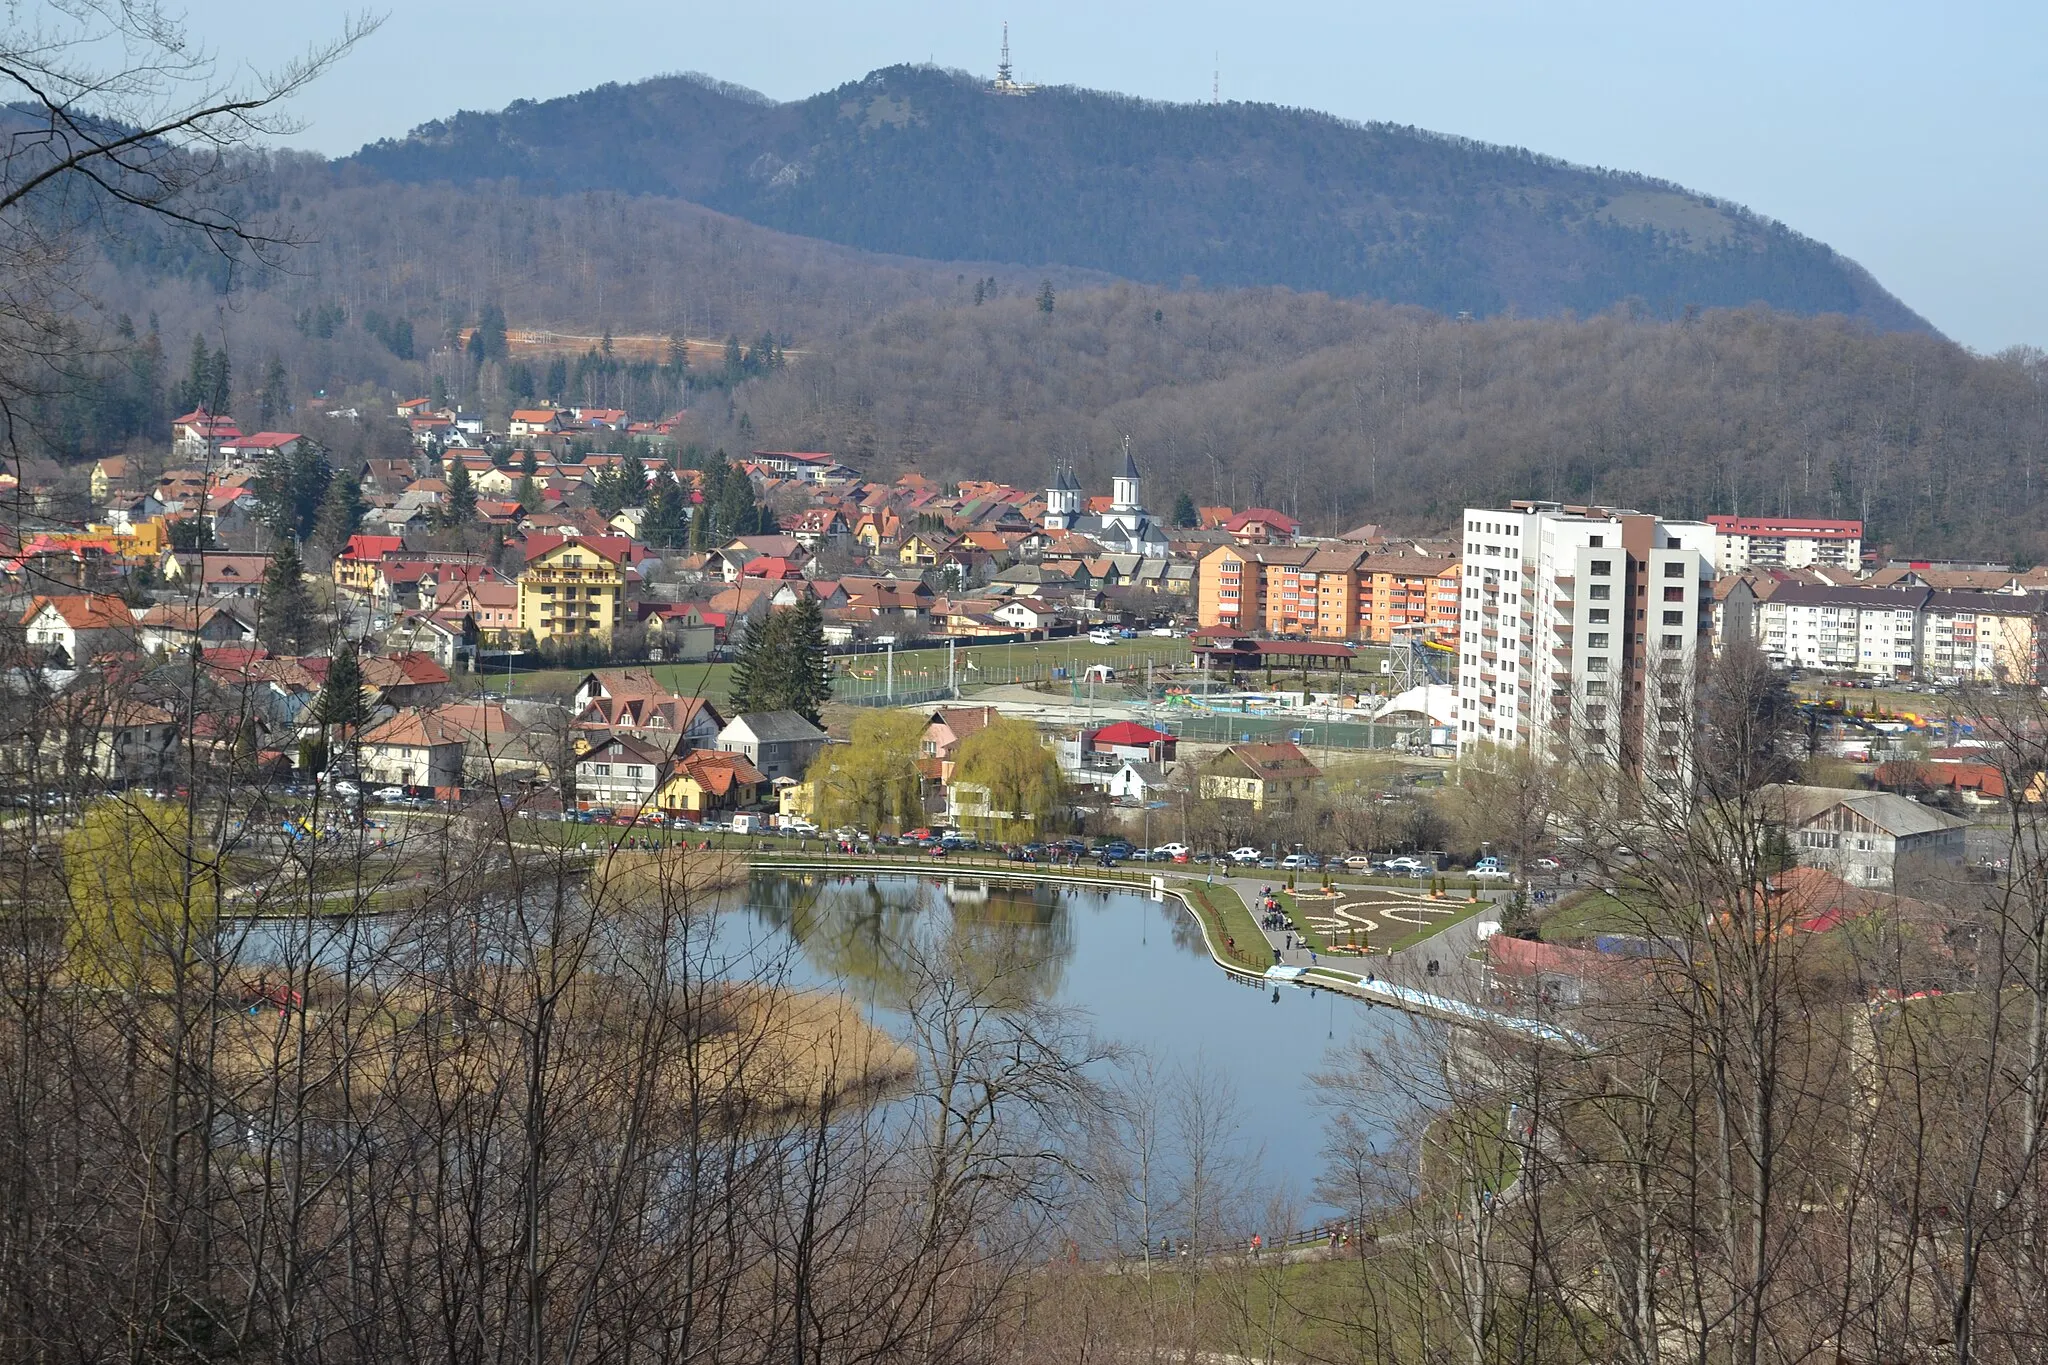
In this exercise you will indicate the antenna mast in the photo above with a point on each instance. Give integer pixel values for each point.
(1003, 66)
(1216, 81)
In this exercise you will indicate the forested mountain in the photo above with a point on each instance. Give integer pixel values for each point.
(922, 162)
(1341, 412)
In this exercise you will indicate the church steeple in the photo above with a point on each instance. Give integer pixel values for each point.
(1062, 500)
(1126, 489)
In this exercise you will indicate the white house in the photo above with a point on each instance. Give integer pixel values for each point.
(777, 743)
(80, 626)
(619, 771)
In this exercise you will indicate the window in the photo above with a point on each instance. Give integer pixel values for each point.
(1597, 616)
(1597, 640)
(1673, 643)
(1601, 568)
(1596, 664)
(1675, 569)
(1674, 618)
(1596, 688)
(1599, 592)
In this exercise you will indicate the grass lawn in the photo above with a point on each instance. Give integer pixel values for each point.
(1588, 913)
(915, 670)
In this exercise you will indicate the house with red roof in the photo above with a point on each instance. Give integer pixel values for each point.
(198, 432)
(1262, 526)
(1127, 739)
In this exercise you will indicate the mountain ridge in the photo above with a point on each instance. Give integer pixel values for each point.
(1229, 195)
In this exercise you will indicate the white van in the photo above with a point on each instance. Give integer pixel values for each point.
(1102, 635)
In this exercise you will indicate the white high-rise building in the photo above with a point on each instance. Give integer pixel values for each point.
(1583, 632)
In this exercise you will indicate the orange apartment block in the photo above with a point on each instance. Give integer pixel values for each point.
(1412, 592)
(1332, 592)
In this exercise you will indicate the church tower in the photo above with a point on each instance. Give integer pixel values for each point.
(1062, 501)
(1125, 489)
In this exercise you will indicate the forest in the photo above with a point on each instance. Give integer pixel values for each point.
(1225, 194)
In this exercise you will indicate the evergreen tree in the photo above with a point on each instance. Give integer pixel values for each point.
(274, 402)
(192, 392)
(1185, 512)
(667, 509)
(678, 354)
(290, 489)
(529, 494)
(558, 377)
(341, 700)
(488, 342)
(735, 361)
(782, 664)
(341, 512)
(633, 479)
(286, 619)
(807, 670)
(752, 681)
(1045, 296)
(459, 508)
(191, 533)
(529, 464)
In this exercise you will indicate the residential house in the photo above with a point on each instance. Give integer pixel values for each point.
(1267, 776)
(75, 628)
(1870, 839)
(404, 679)
(198, 432)
(414, 748)
(620, 771)
(529, 423)
(216, 573)
(175, 627)
(492, 603)
(777, 743)
(1126, 740)
(428, 634)
(1262, 526)
(631, 701)
(108, 474)
(1136, 782)
(1027, 617)
(357, 566)
(707, 780)
(135, 742)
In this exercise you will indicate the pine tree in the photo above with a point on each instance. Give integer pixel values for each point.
(1045, 297)
(529, 464)
(529, 494)
(193, 393)
(807, 684)
(341, 700)
(286, 618)
(1185, 512)
(754, 667)
(341, 512)
(460, 506)
(274, 403)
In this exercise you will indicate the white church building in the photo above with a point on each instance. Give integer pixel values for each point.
(1125, 529)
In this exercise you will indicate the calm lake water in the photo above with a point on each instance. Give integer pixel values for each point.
(1134, 967)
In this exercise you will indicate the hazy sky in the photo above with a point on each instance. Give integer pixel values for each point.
(1907, 136)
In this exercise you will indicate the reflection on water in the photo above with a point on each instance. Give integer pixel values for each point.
(1136, 967)
(863, 934)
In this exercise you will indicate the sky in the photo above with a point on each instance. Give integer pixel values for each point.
(1906, 136)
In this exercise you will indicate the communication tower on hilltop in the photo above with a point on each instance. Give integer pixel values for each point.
(1005, 83)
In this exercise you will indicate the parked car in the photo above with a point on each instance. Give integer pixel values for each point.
(1244, 855)
(1296, 862)
(1491, 869)
(1407, 866)
(1102, 635)
(1173, 850)
(1547, 865)
(388, 794)
(344, 787)
(1359, 862)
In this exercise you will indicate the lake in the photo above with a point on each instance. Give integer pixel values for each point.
(1135, 967)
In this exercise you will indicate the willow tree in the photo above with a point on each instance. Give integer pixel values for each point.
(1005, 763)
(873, 781)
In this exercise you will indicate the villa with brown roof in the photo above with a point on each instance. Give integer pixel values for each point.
(1264, 775)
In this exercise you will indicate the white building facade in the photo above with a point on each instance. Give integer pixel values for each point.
(1786, 543)
(1583, 631)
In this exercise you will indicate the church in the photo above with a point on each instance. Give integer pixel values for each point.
(1125, 529)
